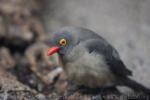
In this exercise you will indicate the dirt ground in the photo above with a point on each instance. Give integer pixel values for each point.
(27, 73)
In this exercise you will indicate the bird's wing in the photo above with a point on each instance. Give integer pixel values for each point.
(101, 46)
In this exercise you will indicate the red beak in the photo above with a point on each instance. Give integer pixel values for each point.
(53, 50)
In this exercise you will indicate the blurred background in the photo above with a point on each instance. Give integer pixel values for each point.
(26, 25)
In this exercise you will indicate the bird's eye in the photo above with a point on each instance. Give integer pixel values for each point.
(63, 42)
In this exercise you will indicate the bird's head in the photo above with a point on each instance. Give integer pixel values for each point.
(62, 43)
(64, 40)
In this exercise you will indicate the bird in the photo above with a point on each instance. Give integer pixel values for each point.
(89, 60)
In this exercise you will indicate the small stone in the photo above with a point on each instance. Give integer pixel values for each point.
(6, 59)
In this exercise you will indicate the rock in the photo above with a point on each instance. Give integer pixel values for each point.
(62, 84)
(11, 89)
(11, 6)
(41, 97)
(25, 74)
(19, 24)
(2, 27)
(40, 63)
(52, 75)
(7, 61)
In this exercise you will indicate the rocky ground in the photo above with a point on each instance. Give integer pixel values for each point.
(26, 73)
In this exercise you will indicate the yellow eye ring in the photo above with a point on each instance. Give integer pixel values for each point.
(63, 42)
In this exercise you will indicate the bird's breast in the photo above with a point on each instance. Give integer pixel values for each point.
(89, 69)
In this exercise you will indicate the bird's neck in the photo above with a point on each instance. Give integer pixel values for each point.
(74, 55)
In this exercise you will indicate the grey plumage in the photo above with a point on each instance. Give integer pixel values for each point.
(88, 59)
(95, 43)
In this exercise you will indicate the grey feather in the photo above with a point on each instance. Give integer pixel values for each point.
(110, 54)
(90, 60)
(95, 43)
